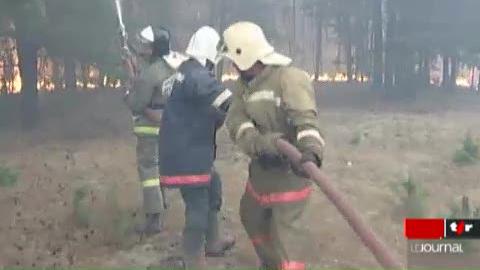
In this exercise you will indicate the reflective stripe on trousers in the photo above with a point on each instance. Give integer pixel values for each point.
(153, 182)
(279, 197)
(292, 265)
(146, 130)
(186, 179)
(260, 239)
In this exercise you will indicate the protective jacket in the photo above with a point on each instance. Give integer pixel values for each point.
(195, 107)
(280, 100)
(147, 93)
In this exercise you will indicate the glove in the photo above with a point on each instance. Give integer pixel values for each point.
(269, 161)
(266, 144)
(267, 152)
(312, 154)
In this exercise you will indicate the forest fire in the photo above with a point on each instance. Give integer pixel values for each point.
(325, 77)
(45, 84)
(51, 73)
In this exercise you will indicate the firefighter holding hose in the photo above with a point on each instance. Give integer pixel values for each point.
(272, 100)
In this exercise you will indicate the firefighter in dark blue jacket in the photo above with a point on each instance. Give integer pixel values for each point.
(196, 107)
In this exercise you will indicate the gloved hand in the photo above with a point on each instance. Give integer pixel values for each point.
(266, 143)
(255, 144)
(267, 152)
(269, 161)
(311, 154)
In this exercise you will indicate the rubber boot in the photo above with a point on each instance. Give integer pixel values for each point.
(265, 266)
(153, 225)
(196, 262)
(216, 245)
(171, 263)
(193, 246)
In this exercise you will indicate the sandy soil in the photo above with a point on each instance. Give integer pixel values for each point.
(78, 196)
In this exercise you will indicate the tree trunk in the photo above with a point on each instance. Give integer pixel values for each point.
(453, 72)
(85, 75)
(8, 65)
(445, 72)
(3, 82)
(57, 75)
(377, 45)
(27, 62)
(426, 70)
(472, 78)
(319, 43)
(213, 12)
(360, 50)
(390, 51)
(69, 74)
(101, 78)
(294, 30)
(478, 84)
(221, 26)
(348, 48)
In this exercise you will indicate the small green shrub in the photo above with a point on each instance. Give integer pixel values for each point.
(356, 139)
(8, 177)
(81, 212)
(470, 146)
(120, 222)
(468, 154)
(413, 197)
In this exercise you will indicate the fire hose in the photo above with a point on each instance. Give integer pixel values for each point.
(384, 257)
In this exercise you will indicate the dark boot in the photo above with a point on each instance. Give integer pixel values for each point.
(195, 262)
(217, 245)
(193, 246)
(265, 266)
(153, 225)
(172, 263)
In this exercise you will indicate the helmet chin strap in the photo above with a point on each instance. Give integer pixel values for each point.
(209, 65)
(246, 76)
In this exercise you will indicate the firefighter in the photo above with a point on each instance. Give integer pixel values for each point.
(195, 109)
(272, 100)
(146, 103)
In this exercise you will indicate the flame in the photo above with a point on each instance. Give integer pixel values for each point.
(325, 77)
(91, 85)
(46, 85)
(118, 84)
(17, 83)
(340, 77)
(463, 82)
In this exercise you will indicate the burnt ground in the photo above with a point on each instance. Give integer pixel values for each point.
(77, 195)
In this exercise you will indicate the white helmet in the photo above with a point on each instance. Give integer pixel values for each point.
(203, 45)
(245, 44)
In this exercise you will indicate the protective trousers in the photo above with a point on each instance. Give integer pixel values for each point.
(275, 232)
(147, 165)
(202, 205)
